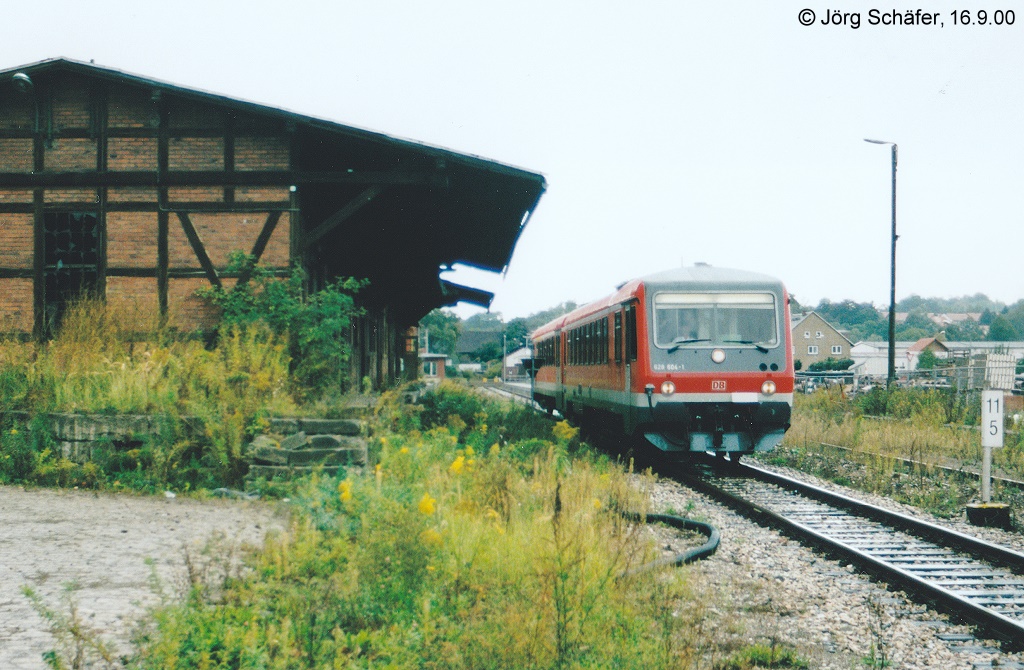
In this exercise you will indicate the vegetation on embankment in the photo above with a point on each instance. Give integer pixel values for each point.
(878, 431)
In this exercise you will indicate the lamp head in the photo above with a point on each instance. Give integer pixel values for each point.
(23, 82)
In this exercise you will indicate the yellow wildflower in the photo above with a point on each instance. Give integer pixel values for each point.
(426, 505)
(495, 449)
(458, 465)
(345, 490)
(430, 537)
(404, 450)
(564, 432)
(597, 504)
(469, 450)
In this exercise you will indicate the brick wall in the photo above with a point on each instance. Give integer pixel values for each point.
(185, 309)
(134, 295)
(71, 153)
(195, 153)
(17, 241)
(16, 312)
(197, 137)
(131, 108)
(70, 104)
(261, 153)
(16, 155)
(223, 233)
(131, 240)
(132, 153)
(71, 195)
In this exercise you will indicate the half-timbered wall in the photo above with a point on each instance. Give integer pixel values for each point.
(160, 189)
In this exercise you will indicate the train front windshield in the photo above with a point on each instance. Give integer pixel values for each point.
(715, 319)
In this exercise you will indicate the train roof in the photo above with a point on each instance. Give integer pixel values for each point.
(700, 276)
(707, 274)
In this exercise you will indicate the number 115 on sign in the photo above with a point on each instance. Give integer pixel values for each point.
(992, 418)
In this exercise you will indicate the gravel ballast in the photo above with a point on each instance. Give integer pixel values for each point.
(769, 590)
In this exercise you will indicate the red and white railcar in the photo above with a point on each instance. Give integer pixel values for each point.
(694, 359)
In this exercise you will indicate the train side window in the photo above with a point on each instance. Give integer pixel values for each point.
(588, 356)
(631, 333)
(607, 340)
(595, 342)
(604, 340)
(617, 337)
(596, 347)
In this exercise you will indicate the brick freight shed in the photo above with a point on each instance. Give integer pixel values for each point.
(139, 190)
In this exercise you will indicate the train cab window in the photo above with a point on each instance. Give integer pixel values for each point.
(631, 333)
(713, 319)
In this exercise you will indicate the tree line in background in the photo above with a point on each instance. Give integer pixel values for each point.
(442, 330)
(996, 321)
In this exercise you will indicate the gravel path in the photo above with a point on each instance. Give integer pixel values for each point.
(761, 587)
(103, 550)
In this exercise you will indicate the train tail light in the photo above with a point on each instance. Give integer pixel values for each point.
(667, 388)
(768, 388)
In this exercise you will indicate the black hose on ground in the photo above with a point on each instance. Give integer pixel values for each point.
(688, 556)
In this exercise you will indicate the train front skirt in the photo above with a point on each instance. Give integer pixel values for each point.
(732, 442)
(714, 426)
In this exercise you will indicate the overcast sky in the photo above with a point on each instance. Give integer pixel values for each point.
(670, 133)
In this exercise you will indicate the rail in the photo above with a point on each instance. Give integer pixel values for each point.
(975, 580)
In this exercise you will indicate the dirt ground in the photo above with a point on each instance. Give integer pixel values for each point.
(103, 552)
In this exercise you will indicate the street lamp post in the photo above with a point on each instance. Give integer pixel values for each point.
(892, 278)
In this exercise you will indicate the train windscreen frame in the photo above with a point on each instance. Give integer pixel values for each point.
(708, 319)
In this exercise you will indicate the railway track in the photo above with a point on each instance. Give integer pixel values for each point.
(961, 470)
(973, 580)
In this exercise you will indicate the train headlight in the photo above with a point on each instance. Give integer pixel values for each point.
(667, 388)
(768, 388)
(718, 355)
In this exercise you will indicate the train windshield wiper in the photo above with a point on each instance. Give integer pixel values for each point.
(680, 341)
(759, 345)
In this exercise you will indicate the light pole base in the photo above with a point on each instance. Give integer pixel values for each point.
(990, 515)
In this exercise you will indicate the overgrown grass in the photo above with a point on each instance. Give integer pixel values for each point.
(875, 434)
(464, 547)
(482, 537)
(101, 362)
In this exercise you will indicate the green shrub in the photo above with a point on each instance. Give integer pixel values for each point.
(315, 326)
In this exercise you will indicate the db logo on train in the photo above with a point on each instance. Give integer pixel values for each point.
(717, 385)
